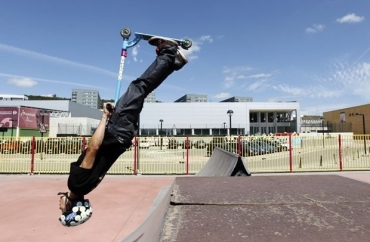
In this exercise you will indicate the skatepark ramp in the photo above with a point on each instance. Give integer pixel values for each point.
(315, 207)
(151, 228)
(221, 164)
(224, 163)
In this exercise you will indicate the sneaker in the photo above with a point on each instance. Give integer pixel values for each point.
(180, 60)
(161, 42)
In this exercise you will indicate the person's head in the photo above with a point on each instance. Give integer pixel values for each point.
(74, 211)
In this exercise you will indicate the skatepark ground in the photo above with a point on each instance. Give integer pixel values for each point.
(29, 205)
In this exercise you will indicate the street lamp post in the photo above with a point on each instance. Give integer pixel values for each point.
(12, 120)
(230, 113)
(225, 127)
(364, 129)
(160, 133)
(42, 125)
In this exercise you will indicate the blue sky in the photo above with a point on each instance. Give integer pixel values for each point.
(314, 52)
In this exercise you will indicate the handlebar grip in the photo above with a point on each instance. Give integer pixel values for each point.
(109, 107)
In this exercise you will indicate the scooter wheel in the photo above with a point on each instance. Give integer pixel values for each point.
(186, 44)
(125, 33)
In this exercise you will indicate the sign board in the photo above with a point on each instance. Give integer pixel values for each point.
(22, 117)
(9, 117)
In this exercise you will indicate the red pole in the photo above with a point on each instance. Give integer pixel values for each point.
(83, 144)
(239, 146)
(187, 155)
(290, 153)
(135, 155)
(32, 154)
(340, 152)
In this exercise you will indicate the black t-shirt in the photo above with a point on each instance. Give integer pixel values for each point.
(81, 181)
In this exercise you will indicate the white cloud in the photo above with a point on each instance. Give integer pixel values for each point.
(257, 85)
(22, 82)
(295, 91)
(355, 80)
(315, 28)
(43, 57)
(351, 18)
(343, 81)
(237, 69)
(206, 38)
(135, 52)
(258, 76)
(314, 91)
(196, 46)
(242, 73)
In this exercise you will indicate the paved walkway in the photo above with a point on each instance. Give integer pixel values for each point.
(29, 206)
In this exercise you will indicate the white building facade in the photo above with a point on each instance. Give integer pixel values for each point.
(208, 118)
(212, 119)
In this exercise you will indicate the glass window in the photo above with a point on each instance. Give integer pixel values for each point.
(263, 117)
(201, 131)
(272, 130)
(270, 117)
(148, 132)
(253, 117)
(183, 131)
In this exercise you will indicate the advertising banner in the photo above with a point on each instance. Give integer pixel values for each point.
(32, 118)
(24, 118)
(8, 117)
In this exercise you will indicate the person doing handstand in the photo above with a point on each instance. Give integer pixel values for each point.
(114, 133)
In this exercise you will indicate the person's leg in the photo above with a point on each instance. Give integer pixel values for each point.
(123, 122)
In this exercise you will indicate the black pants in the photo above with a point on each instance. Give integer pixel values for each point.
(123, 124)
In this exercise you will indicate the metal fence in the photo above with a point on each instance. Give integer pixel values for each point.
(187, 155)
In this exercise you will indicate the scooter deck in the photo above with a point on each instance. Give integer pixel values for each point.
(184, 43)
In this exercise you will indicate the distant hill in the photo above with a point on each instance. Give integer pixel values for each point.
(54, 97)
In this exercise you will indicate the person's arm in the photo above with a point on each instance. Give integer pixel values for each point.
(95, 142)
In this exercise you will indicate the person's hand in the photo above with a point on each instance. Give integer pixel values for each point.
(108, 109)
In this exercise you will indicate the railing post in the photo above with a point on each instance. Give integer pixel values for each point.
(187, 144)
(290, 153)
(340, 152)
(33, 144)
(135, 155)
(239, 146)
(83, 147)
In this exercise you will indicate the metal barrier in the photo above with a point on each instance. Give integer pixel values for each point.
(187, 155)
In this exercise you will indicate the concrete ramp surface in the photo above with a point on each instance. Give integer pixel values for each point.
(150, 230)
(224, 163)
(266, 208)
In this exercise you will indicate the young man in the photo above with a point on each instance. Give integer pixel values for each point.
(114, 133)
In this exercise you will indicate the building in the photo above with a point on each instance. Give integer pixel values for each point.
(192, 98)
(238, 99)
(313, 124)
(89, 98)
(353, 119)
(151, 98)
(185, 118)
(211, 118)
(11, 97)
(62, 117)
